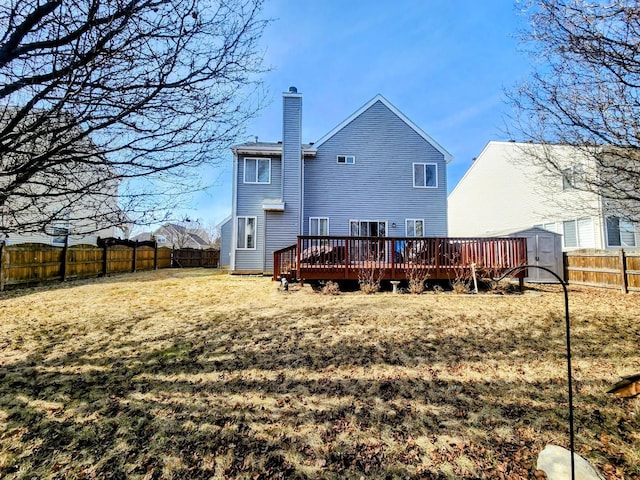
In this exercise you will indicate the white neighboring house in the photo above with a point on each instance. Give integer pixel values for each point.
(502, 191)
(87, 218)
(55, 206)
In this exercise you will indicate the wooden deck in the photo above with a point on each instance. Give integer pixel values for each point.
(441, 258)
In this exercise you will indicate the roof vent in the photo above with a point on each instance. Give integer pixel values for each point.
(293, 90)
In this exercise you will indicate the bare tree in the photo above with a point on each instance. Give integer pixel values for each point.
(585, 92)
(108, 108)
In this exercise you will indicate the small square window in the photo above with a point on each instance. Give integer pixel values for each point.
(347, 159)
(59, 233)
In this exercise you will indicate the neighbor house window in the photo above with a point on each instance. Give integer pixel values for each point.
(59, 233)
(257, 170)
(246, 233)
(318, 226)
(415, 227)
(578, 233)
(425, 175)
(551, 226)
(572, 177)
(347, 159)
(620, 233)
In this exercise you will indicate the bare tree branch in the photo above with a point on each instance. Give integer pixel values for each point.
(585, 92)
(109, 108)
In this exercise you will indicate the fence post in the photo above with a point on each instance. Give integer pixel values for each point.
(623, 271)
(65, 250)
(135, 255)
(105, 257)
(155, 255)
(2, 261)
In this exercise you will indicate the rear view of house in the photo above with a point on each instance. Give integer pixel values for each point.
(376, 174)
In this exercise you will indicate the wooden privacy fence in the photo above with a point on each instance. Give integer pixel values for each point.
(604, 268)
(32, 263)
(193, 257)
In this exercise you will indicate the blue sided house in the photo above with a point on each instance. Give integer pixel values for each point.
(376, 174)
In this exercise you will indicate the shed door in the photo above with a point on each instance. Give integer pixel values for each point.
(546, 257)
(541, 252)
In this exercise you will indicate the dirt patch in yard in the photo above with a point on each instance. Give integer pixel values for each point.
(198, 374)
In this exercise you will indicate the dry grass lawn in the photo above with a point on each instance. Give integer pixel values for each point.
(196, 374)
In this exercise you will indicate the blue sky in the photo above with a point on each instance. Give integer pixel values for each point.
(444, 64)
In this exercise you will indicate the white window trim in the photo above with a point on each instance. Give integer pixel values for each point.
(572, 177)
(318, 218)
(633, 231)
(64, 228)
(360, 220)
(414, 220)
(255, 232)
(413, 174)
(346, 157)
(579, 241)
(244, 171)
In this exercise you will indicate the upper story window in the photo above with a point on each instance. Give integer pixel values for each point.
(347, 159)
(415, 227)
(425, 175)
(572, 176)
(620, 233)
(59, 233)
(257, 170)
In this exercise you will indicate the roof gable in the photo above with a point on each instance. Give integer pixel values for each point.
(379, 98)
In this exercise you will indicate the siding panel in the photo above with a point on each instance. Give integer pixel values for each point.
(380, 184)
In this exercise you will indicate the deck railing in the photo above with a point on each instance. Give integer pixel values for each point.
(332, 257)
(285, 263)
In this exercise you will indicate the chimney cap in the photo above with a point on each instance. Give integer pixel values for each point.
(293, 90)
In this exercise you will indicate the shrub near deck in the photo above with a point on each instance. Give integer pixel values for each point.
(193, 374)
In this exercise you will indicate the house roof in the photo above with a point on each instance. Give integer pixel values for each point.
(379, 98)
(269, 148)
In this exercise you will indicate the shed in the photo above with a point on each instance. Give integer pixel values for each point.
(544, 249)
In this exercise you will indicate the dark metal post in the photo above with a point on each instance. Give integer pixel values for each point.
(568, 334)
(2, 247)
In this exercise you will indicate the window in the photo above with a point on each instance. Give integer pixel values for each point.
(415, 227)
(59, 233)
(551, 226)
(365, 228)
(425, 175)
(246, 233)
(257, 170)
(318, 226)
(578, 233)
(347, 159)
(572, 177)
(620, 233)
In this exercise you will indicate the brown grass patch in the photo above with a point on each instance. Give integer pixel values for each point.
(195, 374)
